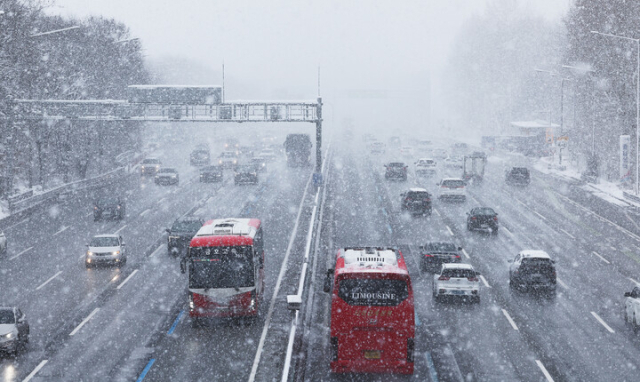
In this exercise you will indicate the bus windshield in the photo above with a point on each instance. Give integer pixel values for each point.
(221, 267)
(373, 292)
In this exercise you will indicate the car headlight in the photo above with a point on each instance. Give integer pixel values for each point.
(173, 175)
(142, 167)
(235, 161)
(89, 253)
(8, 336)
(220, 161)
(157, 167)
(115, 253)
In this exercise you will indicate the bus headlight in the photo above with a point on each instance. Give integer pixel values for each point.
(191, 307)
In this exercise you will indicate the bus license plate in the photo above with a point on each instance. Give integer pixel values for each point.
(457, 292)
(372, 354)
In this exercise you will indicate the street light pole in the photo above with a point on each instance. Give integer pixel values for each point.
(637, 41)
(563, 79)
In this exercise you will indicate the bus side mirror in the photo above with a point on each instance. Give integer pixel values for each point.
(328, 281)
(183, 265)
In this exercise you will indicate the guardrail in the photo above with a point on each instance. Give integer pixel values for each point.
(631, 197)
(33, 201)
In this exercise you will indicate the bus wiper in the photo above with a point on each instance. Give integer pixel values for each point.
(236, 288)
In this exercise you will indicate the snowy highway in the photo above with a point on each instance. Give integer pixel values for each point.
(123, 324)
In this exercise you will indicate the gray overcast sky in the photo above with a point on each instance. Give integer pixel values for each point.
(279, 44)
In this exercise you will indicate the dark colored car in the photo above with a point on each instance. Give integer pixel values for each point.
(482, 218)
(108, 208)
(434, 254)
(167, 175)
(14, 330)
(534, 271)
(149, 166)
(417, 201)
(245, 174)
(210, 174)
(259, 163)
(200, 157)
(181, 233)
(518, 176)
(395, 170)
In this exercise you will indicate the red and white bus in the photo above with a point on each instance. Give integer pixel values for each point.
(372, 312)
(225, 268)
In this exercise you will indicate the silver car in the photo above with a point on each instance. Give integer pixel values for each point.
(14, 330)
(106, 249)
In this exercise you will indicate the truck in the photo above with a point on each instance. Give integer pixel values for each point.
(298, 149)
(473, 167)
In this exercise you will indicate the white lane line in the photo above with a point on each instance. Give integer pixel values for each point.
(156, 251)
(600, 320)
(521, 202)
(568, 234)
(474, 199)
(25, 251)
(544, 371)
(507, 231)
(61, 231)
(161, 200)
(464, 252)
(84, 322)
(144, 212)
(484, 281)
(450, 231)
(47, 282)
(17, 224)
(127, 279)
(283, 270)
(121, 228)
(562, 283)
(89, 214)
(601, 258)
(513, 324)
(436, 211)
(210, 199)
(540, 215)
(35, 371)
(634, 281)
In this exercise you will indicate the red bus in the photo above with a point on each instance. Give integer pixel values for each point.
(225, 268)
(372, 312)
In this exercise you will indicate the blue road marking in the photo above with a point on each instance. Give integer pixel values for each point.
(384, 211)
(389, 228)
(175, 323)
(432, 367)
(418, 323)
(146, 370)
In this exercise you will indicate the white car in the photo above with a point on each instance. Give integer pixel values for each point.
(228, 159)
(14, 330)
(632, 308)
(377, 148)
(425, 167)
(452, 189)
(456, 280)
(454, 162)
(3, 244)
(268, 154)
(106, 249)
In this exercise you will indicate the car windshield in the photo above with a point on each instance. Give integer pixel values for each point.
(483, 211)
(395, 164)
(211, 169)
(167, 170)
(373, 292)
(221, 267)
(245, 168)
(107, 202)
(441, 247)
(104, 242)
(150, 161)
(458, 273)
(520, 171)
(186, 226)
(418, 195)
(544, 266)
(7, 317)
(452, 183)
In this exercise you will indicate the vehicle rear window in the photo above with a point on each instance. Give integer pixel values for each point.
(441, 247)
(418, 195)
(6, 317)
(536, 266)
(458, 273)
(150, 161)
(104, 242)
(484, 211)
(453, 183)
(520, 171)
(373, 292)
(396, 164)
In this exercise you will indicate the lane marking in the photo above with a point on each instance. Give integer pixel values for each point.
(513, 324)
(544, 371)
(600, 320)
(121, 228)
(146, 370)
(436, 211)
(432, 369)
(84, 322)
(35, 371)
(161, 200)
(157, 250)
(601, 258)
(507, 231)
(145, 212)
(389, 228)
(175, 323)
(450, 231)
(283, 270)
(539, 215)
(464, 252)
(127, 279)
(568, 234)
(562, 283)
(47, 282)
(89, 214)
(64, 228)
(25, 251)
(17, 224)
(633, 280)
(484, 281)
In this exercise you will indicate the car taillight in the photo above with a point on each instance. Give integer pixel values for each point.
(443, 278)
(457, 256)
(410, 349)
(474, 279)
(495, 218)
(473, 218)
(427, 255)
(334, 348)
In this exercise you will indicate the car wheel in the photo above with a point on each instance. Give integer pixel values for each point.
(477, 300)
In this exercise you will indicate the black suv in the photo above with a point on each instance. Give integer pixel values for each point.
(482, 218)
(108, 208)
(417, 201)
(518, 176)
(395, 170)
(245, 174)
(434, 254)
(181, 233)
(211, 174)
(533, 270)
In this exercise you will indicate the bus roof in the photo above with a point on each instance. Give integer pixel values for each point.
(370, 260)
(226, 232)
